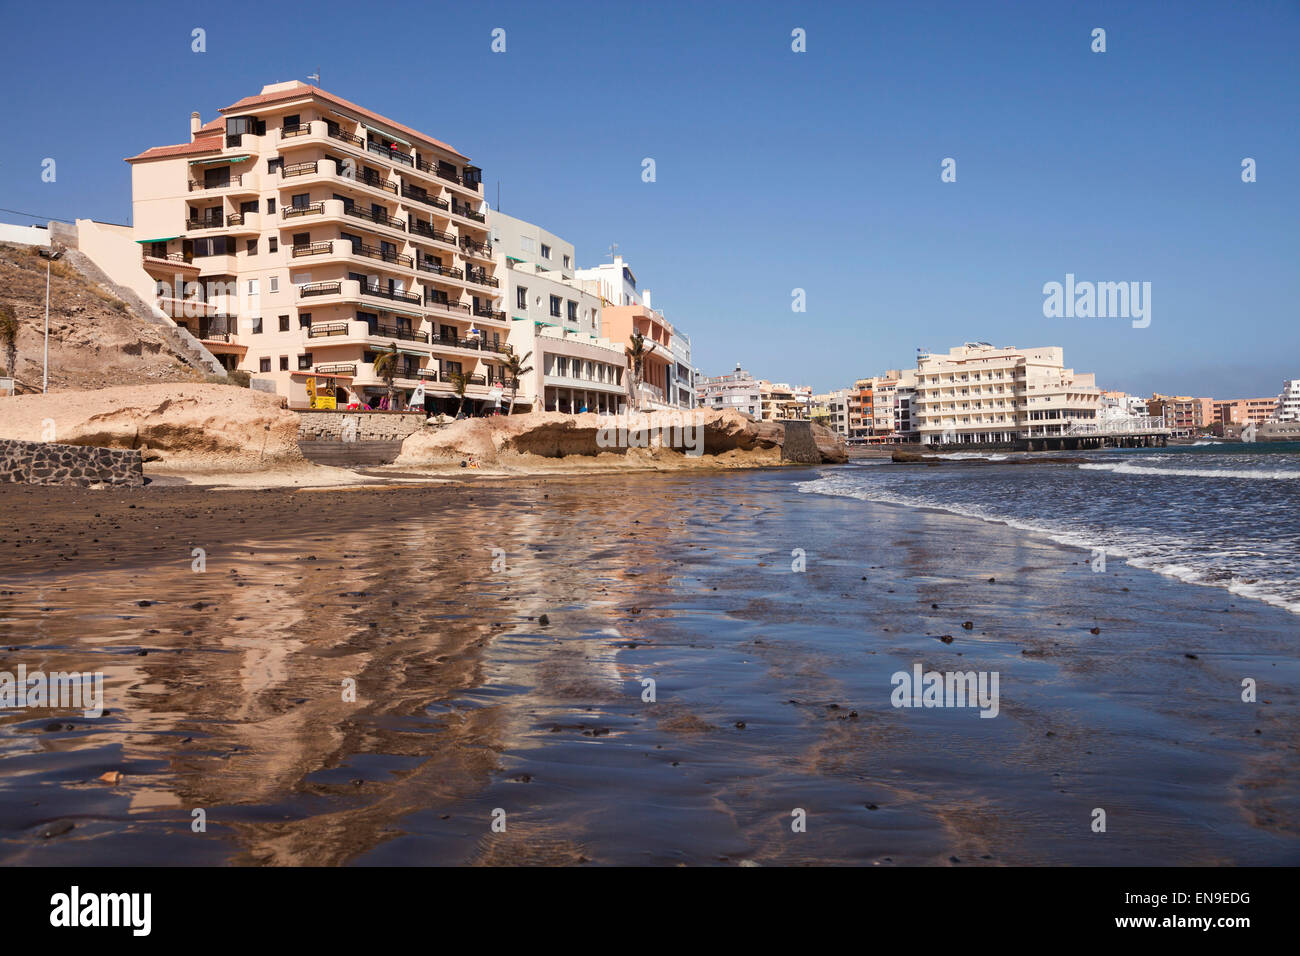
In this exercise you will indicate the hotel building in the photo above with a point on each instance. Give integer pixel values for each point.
(738, 390)
(305, 235)
(1244, 411)
(1288, 403)
(978, 393)
(552, 317)
(1182, 413)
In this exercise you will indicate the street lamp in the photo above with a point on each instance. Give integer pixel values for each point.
(50, 255)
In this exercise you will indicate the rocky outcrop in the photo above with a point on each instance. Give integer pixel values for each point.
(657, 440)
(194, 427)
(42, 463)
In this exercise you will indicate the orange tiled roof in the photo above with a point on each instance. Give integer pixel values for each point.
(301, 91)
(205, 144)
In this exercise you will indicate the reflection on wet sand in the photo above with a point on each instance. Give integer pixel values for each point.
(521, 690)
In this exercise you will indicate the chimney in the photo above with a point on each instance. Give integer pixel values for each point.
(645, 298)
(196, 124)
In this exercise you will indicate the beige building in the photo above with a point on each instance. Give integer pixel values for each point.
(978, 393)
(781, 402)
(299, 235)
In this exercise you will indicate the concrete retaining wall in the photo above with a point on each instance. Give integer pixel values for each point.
(358, 426)
(799, 444)
(44, 463)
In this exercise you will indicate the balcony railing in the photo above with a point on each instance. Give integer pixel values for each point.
(224, 184)
(449, 173)
(420, 195)
(298, 169)
(371, 179)
(293, 212)
(402, 332)
(211, 336)
(485, 313)
(475, 380)
(382, 218)
(326, 329)
(441, 270)
(398, 157)
(435, 301)
(472, 248)
(397, 295)
(421, 228)
(319, 288)
(235, 219)
(313, 249)
(482, 278)
(206, 222)
(370, 252)
(335, 132)
(475, 342)
(337, 368)
(299, 129)
(464, 209)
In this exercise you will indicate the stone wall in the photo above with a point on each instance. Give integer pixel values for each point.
(359, 426)
(44, 463)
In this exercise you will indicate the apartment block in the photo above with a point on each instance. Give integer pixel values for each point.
(1288, 402)
(832, 410)
(555, 323)
(299, 236)
(1244, 411)
(738, 390)
(1182, 413)
(779, 401)
(979, 393)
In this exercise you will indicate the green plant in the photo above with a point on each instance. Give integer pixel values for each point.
(515, 369)
(636, 354)
(386, 368)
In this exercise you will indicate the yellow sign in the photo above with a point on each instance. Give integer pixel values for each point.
(316, 399)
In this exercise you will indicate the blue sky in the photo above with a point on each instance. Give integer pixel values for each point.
(778, 170)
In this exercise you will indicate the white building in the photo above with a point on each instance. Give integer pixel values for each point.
(738, 390)
(1288, 403)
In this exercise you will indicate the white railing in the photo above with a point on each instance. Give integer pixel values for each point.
(1118, 426)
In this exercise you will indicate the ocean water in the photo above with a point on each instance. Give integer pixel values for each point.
(1220, 515)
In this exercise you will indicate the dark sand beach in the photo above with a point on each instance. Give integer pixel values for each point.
(772, 686)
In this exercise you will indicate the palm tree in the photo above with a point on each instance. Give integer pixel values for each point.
(386, 368)
(9, 337)
(515, 369)
(636, 354)
(459, 382)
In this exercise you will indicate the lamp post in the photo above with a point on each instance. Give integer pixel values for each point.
(50, 255)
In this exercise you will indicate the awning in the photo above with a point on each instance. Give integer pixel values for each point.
(386, 135)
(145, 242)
(513, 259)
(320, 375)
(414, 354)
(216, 162)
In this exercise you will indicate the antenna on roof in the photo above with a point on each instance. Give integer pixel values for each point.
(315, 76)
(613, 250)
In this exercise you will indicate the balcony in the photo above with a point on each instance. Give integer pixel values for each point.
(327, 330)
(464, 209)
(420, 228)
(320, 288)
(383, 255)
(369, 178)
(438, 300)
(299, 169)
(206, 222)
(440, 270)
(231, 182)
(313, 249)
(483, 313)
(335, 132)
(298, 129)
(471, 248)
(482, 278)
(405, 333)
(337, 368)
(391, 154)
(419, 195)
(295, 212)
(397, 295)
(382, 219)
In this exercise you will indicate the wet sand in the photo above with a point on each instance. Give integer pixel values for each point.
(773, 687)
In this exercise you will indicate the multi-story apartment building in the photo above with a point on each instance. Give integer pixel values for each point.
(904, 401)
(978, 393)
(1182, 413)
(1243, 411)
(1288, 402)
(861, 410)
(612, 281)
(310, 235)
(832, 410)
(618, 324)
(739, 390)
(555, 323)
(681, 384)
(781, 402)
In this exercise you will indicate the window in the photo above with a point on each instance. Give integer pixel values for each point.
(568, 262)
(546, 251)
(264, 364)
(562, 366)
(275, 283)
(527, 244)
(273, 244)
(247, 207)
(270, 207)
(284, 363)
(304, 320)
(251, 247)
(573, 311)
(304, 360)
(252, 287)
(275, 165)
(555, 306)
(284, 323)
(521, 298)
(257, 330)
(301, 200)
